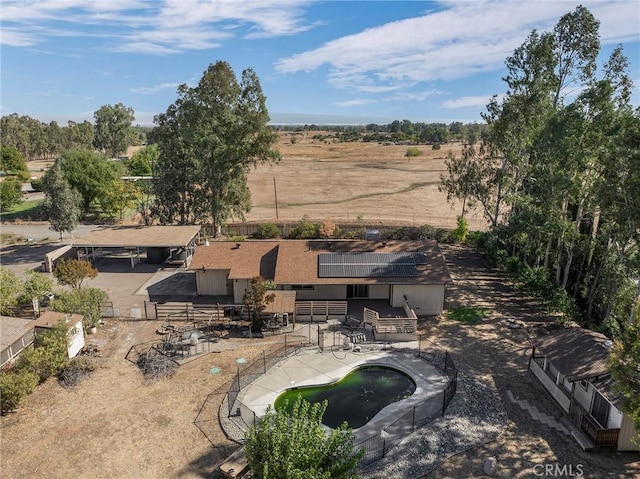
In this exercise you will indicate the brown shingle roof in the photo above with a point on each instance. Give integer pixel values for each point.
(577, 353)
(12, 329)
(296, 261)
(244, 260)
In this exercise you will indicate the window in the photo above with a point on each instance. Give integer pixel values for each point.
(600, 409)
(299, 287)
(584, 383)
(357, 291)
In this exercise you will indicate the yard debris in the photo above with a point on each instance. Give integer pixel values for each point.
(77, 369)
(155, 365)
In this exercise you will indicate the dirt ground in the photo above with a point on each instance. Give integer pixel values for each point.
(117, 425)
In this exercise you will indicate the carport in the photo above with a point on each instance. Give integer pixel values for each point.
(162, 244)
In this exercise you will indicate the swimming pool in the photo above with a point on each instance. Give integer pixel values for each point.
(357, 397)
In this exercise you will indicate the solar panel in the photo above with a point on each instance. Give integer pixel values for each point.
(368, 265)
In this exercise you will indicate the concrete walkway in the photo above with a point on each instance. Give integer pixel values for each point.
(314, 368)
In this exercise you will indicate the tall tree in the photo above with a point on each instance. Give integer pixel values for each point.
(113, 131)
(61, 204)
(209, 139)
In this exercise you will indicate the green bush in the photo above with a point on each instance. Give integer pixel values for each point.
(84, 301)
(413, 151)
(435, 146)
(49, 354)
(305, 230)
(461, 231)
(267, 231)
(36, 184)
(15, 386)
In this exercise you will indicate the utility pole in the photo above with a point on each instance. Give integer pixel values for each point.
(275, 193)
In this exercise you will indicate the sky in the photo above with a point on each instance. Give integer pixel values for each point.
(322, 62)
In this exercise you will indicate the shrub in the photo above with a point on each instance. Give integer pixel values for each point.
(267, 231)
(73, 272)
(36, 184)
(15, 386)
(435, 146)
(304, 230)
(461, 231)
(49, 354)
(85, 301)
(413, 151)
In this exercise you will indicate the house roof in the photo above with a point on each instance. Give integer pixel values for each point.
(577, 353)
(243, 260)
(50, 318)
(296, 261)
(139, 236)
(12, 329)
(605, 385)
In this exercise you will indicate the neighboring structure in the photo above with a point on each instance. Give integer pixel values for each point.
(571, 364)
(17, 334)
(160, 243)
(396, 271)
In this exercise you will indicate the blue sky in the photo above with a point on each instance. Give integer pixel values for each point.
(340, 62)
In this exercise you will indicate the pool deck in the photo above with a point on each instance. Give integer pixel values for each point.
(312, 368)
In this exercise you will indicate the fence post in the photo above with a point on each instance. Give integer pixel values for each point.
(413, 420)
(285, 345)
(264, 362)
(446, 357)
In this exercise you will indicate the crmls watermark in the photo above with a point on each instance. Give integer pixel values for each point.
(558, 470)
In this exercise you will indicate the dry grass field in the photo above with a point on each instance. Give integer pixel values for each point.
(347, 181)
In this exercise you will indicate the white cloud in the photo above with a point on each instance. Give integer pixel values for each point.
(467, 101)
(460, 41)
(355, 102)
(152, 26)
(147, 90)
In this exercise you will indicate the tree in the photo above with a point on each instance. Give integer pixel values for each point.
(327, 228)
(256, 300)
(34, 287)
(12, 161)
(89, 173)
(143, 161)
(285, 445)
(9, 289)
(113, 132)
(208, 140)
(73, 272)
(624, 363)
(10, 194)
(121, 195)
(61, 204)
(49, 354)
(84, 301)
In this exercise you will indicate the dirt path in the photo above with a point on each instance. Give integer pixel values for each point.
(499, 355)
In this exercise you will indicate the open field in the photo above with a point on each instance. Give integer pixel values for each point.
(347, 181)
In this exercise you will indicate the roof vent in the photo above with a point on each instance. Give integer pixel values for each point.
(607, 344)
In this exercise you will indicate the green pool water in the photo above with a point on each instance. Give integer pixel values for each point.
(357, 397)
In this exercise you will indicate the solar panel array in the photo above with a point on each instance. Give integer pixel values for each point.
(369, 265)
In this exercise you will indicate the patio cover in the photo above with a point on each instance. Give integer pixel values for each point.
(139, 237)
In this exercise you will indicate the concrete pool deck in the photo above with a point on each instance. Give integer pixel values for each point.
(312, 368)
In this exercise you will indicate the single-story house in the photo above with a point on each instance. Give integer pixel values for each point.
(571, 364)
(333, 270)
(17, 334)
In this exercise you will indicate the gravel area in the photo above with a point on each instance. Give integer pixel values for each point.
(474, 417)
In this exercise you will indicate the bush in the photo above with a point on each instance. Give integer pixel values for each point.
(413, 151)
(36, 184)
(49, 354)
(304, 230)
(435, 146)
(267, 231)
(461, 231)
(85, 301)
(15, 386)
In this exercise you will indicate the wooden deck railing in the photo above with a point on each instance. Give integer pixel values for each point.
(598, 435)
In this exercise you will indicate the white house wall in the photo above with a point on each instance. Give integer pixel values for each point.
(426, 300)
(76, 340)
(211, 282)
(583, 397)
(321, 292)
(239, 287)
(615, 418)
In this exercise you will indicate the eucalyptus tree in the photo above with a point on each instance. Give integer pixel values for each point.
(113, 131)
(208, 141)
